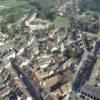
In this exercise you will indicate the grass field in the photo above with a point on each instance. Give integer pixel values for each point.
(12, 3)
(8, 7)
(15, 8)
(61, 22)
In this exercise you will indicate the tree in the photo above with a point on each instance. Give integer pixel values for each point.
(83, 5)
(11, 32)
(86, 42)
(4, 27)
(51, 15)
(11, 18)
(69, 52)
(44, 9)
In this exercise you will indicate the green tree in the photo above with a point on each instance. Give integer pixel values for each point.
(3, 26)
(83, 5)
(69, 51)
(11, 32)
(11, 18)
(86, 42)
(45, 9)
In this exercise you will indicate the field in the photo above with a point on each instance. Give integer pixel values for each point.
(14, 9)
(61, 22)
(12, 3)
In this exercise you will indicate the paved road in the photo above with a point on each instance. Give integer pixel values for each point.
(32, 90)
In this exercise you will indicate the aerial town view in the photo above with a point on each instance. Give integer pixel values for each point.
(49, 49)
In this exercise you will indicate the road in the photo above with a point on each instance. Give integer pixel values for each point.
(32, 90)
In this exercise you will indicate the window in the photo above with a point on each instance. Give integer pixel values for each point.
(88, 95)
(94, 98)
(82, 96)
(91, 96)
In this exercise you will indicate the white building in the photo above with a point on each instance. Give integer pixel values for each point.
(2, 38)
(34, 23)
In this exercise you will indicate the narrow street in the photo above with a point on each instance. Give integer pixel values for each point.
(32, 90)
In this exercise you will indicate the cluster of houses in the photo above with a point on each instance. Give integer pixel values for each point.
(53, 64)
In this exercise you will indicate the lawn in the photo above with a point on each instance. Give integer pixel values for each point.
(86, 18)
(13, 7)
(61, 22)
(12, 3)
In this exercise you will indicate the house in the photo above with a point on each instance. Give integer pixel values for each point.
(23, 61)
(2, 38)
(58, 80)
(98, 79)
(97, 48)
(19, 43)
(34, 79)
(44, 62)
(61, 35)
(95, 76)
(90, 92)
(45, 94)
(50, 82)
(35, 48)
(31, 46)
(40, 74)
(34, 23)
(63, 92)
(31, 39)
(13, 84)
(28, 51)
(84, 72)
(1, 17)
(6, 53)
(51, 42)
(30, 18)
